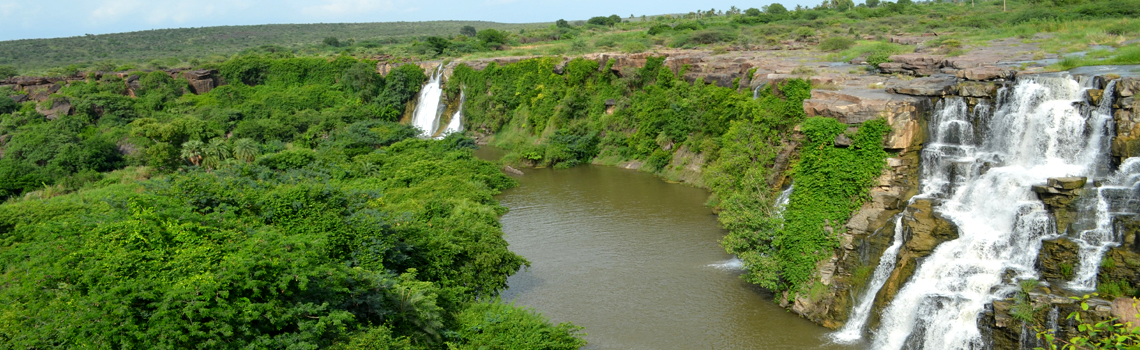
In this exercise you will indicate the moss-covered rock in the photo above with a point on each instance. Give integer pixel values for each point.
(1058, 259)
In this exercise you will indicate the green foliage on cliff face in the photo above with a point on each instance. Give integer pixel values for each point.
(293, 213)
(782, 251)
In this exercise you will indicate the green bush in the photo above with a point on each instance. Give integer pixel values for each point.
(836, 43)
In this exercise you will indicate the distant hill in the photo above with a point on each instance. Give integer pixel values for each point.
(198, 43)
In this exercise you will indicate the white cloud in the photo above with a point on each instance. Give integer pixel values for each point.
(114, 10)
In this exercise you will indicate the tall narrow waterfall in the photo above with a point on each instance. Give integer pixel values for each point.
(980, 166)
(853, 330)
(1119, 195)
(426, 115)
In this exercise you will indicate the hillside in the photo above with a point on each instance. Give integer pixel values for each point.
(187, 44)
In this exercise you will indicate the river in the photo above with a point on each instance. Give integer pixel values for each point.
(636, 261)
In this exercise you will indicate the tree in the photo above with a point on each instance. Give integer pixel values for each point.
(468, 31)
(752, 12)
(599, 21)
(614, 19)
(192, 151)
(214, 153)
(872, 3)
(776, 9)
(561, 23)
(7, 72)
(246, 150)
(491, 37)
(331, 41)
(438, 44)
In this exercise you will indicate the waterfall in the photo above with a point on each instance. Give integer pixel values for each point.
(853, 330)
(1119, 195)
(1094, 242)
(456, 123)
(979, 167)
(426, 115)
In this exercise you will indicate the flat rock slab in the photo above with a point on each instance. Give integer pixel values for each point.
(938, 85)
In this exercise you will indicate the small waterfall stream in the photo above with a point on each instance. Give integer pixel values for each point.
(456, 123)
(853, 330)
(979, 167)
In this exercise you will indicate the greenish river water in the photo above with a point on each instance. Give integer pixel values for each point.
(636, 261)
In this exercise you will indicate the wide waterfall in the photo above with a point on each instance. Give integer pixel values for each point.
(979, 167)
(426, 115)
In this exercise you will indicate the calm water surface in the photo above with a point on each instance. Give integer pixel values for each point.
(636, 261)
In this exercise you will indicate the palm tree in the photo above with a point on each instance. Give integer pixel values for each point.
(246, 150)
(192, 152)
(214, 153)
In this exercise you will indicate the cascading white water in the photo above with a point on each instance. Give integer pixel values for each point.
(955, 136)
(456, 123)
(853, 330)
(426, 115)
(1119, 195)
(982, 179)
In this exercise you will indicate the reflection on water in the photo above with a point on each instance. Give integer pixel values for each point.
(636, 261)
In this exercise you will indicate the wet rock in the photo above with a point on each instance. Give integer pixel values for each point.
(19, 98)
(1058, 259)
(977, 89)
(1094, 96)
(923, 230)
(511, 170)
(937, 86)
(1059, 195)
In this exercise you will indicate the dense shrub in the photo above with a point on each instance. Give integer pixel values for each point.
(836, 43)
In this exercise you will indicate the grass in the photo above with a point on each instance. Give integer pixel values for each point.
(1124, 56)
(865, 48)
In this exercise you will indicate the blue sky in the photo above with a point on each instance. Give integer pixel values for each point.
(28, 19)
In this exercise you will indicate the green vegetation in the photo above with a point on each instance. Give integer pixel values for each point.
(1106, 334)
(831, 182)
(287, 209)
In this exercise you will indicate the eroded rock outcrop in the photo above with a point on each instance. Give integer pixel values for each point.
(1127, 141)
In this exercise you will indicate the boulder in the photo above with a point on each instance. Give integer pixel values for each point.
(986, 73)
(19, 98)
(59, 107)
(1059, 196)
(842, 141)
(937, 86)
(920, 64)
(977, 89)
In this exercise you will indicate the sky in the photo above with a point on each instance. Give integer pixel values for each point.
(24, 19)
